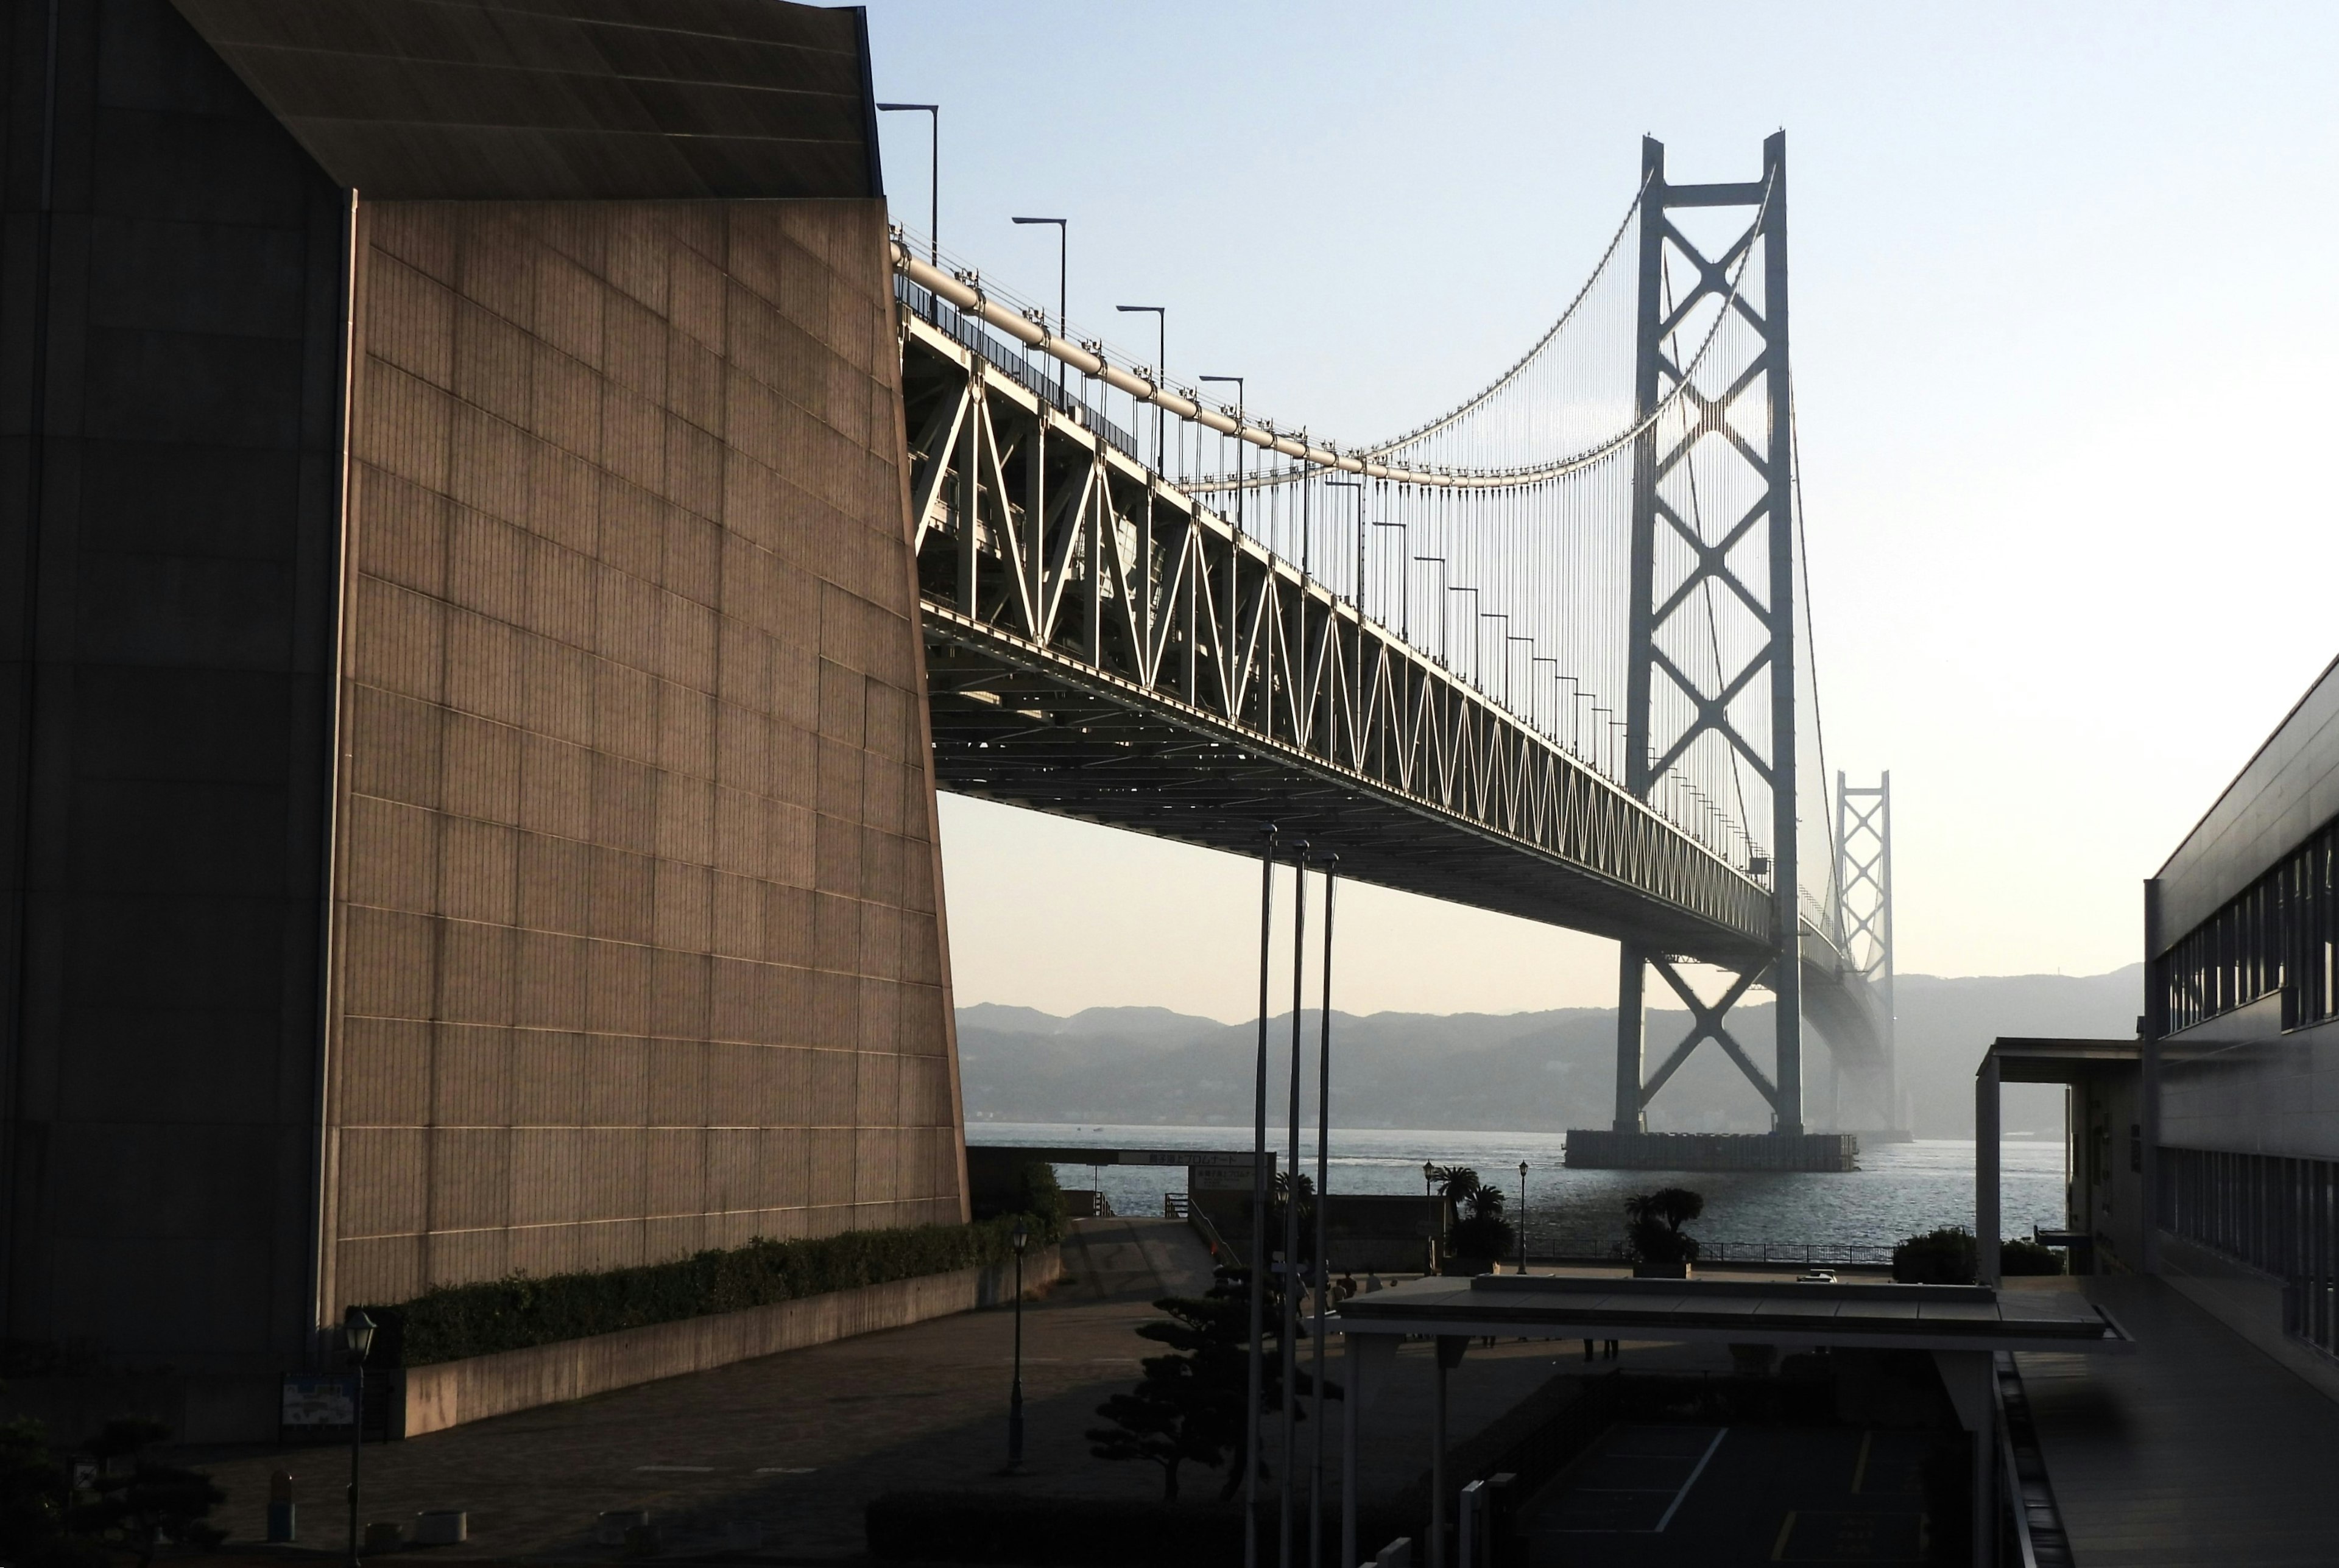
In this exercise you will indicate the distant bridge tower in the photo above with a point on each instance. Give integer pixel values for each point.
(1863, 836)
(1686, 557)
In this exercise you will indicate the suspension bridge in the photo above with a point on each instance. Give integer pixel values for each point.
(1546, 654)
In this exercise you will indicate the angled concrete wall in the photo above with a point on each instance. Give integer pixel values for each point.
(639, 948)
(464, 783)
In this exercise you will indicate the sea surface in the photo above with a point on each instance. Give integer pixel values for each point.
(1901, 1189)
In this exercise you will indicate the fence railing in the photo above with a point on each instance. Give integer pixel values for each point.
(1812, 1254)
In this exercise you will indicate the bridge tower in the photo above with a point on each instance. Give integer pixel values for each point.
(1863, 836)
(1660, 517)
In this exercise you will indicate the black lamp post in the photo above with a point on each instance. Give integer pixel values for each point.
(1063, 260)
(1523, 1217)
(933, 170)
(357, 1337)
(1015, 1393)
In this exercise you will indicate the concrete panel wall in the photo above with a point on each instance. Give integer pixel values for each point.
(2224, 1085)
(638, 942)
(169, 434)
(2282, 795)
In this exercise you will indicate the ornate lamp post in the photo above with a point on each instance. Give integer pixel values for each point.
(1015, 1393)
(357, 1337)
(1523, 1217)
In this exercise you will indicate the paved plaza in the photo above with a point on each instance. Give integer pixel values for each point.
(799, 1443)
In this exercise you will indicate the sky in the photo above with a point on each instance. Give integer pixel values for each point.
(2063, 312)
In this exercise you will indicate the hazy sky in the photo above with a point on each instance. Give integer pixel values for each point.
(2063, 311)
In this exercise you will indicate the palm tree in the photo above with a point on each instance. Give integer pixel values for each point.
(1656, 1224)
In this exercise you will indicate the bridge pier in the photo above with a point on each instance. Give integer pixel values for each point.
(1632, 1035)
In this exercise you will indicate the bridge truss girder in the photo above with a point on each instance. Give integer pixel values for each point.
(1101, 646)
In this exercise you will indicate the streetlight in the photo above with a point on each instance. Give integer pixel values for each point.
(1403, 586)
(1358, 597)
(1523, 1217)
(1242, 423)
(1234, 579)
(1063, 257)
(933, 172)
(357, 1337)
(1015, 1393)
(1160, 314)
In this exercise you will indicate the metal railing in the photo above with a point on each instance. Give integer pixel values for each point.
(1012, 358)
(1810, 1254)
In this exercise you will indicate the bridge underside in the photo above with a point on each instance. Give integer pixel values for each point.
(1018, 725)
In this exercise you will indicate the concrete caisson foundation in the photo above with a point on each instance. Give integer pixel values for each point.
(1597, 1150)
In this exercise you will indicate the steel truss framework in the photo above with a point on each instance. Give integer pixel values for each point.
(1101, 646)
(1864, 901)
(1654, 607)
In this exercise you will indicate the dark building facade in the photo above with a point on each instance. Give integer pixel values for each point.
(2243, 1048)
(467, 800)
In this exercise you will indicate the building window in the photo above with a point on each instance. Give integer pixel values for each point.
(2281, 934)
(2277, 1214)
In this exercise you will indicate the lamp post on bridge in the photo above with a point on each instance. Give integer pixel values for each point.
(1242, 423)
(1357, 596)
(1160, 314)
(933, 173)
(1440, 562)
(1234, 563)
(1063, 267)
(1404, 583)
(1476, 637)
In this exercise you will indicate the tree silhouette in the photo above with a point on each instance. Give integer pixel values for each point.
(1654, 1225)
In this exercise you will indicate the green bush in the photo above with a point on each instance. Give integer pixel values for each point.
(458, 1321)
(2018, 1255)
(1943, 1257)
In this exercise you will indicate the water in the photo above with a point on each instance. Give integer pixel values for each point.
(1901, 1189)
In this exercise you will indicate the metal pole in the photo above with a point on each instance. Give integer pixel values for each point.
(1986, 1179)
(1437, 1464)
(934, 174)
(357, 1445)
(1523, 1217)
(1322, 1260)
(1287, 1334)
(1015, 1393)
(1256, 1381)
(1352, 1398)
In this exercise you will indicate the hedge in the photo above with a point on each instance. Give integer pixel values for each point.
(458, 1321)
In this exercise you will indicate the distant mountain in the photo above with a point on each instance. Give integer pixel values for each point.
(1529, 1071)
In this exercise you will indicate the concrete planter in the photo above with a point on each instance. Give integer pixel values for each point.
(1661, 1271)
(450, 1392)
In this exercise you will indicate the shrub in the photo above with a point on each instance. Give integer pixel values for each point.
(1653, 1231)
(458, 1321)
(2018, 1255)
(1943, 1257)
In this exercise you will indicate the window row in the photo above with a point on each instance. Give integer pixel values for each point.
(2281, 934)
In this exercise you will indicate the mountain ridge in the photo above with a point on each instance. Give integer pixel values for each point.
(1530, 1071)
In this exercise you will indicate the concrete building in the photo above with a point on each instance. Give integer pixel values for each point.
(2242, 1073)
(468, 805)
